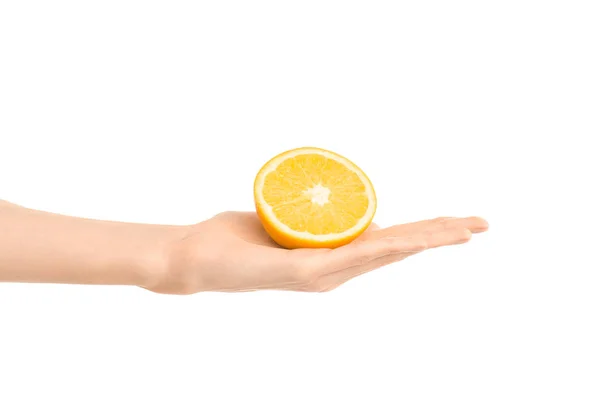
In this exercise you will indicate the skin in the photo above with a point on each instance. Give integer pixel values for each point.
(230, 252)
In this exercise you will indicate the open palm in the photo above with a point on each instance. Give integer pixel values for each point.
(232, 252)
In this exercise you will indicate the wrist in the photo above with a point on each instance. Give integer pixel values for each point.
(151, 261)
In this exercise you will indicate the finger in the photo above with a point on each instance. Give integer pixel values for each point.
(445, 237)
(433, 240)
(311, 265)
(473, 224)
(411, 228)
(373, 227)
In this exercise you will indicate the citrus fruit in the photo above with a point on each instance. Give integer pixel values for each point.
(313, 198)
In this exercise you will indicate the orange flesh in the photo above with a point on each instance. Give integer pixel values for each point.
(287, 188)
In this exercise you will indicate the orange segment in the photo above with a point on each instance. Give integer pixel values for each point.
(311, 197)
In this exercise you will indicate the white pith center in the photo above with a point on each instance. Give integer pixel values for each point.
(318, 194)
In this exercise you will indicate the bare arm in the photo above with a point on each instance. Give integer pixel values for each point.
(37, 246)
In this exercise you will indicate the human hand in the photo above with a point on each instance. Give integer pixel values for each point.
(231, 252)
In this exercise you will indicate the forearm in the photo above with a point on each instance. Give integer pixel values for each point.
(37, 246)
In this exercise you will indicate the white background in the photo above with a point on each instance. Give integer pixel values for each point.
(163, 111)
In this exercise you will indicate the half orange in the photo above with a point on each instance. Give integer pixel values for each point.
(313, 198)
